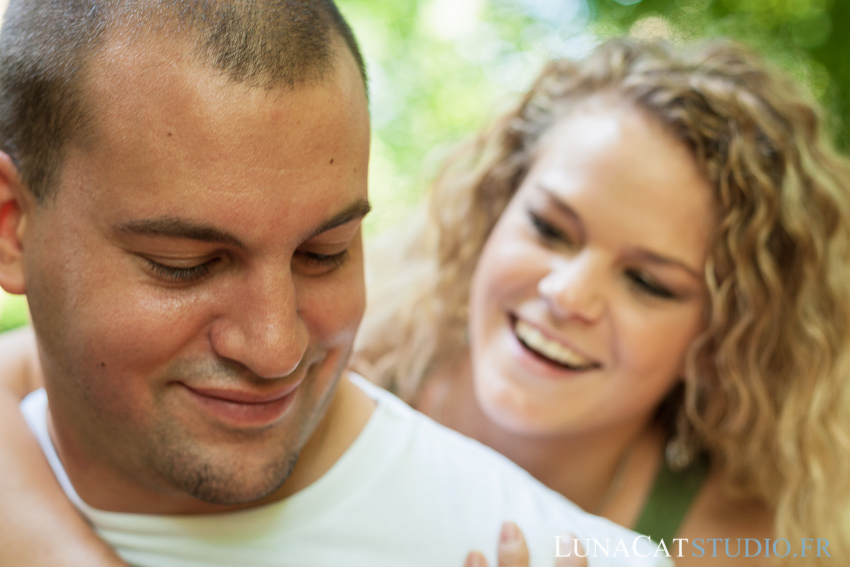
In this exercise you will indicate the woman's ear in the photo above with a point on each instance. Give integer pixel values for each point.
(15, 203)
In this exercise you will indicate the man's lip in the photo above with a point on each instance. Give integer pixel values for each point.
(244, 396)
(245, 408)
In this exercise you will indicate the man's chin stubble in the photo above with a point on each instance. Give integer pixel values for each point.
(231, 486)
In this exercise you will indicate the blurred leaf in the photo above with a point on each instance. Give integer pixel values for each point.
(440, 69)
(13, 311)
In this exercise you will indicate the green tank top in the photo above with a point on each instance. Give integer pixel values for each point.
(669, 500)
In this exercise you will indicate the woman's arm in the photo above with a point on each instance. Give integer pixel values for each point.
(38, 527)
(20, 372)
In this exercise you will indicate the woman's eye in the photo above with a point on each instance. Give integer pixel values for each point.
(182, 275)
(646, 285)
(546, 230)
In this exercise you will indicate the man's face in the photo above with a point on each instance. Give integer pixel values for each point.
(197, 283)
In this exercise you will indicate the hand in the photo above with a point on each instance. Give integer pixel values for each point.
(513, 551)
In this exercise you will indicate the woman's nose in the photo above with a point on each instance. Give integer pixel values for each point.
(573, 289)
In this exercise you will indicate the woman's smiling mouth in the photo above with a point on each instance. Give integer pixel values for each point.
(551, 350)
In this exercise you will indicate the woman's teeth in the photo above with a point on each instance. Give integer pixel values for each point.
(552, 350)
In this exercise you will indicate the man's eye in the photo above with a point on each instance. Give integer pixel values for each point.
(325, 262)
(173, 274)
(646, 285)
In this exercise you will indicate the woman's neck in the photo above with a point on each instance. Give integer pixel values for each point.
(613, 468)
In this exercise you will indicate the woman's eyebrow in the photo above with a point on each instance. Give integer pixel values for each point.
(564, 208)
(655, 258)
(559, 203)
(646, 255)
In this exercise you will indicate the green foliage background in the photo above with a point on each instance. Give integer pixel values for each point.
(440, 69)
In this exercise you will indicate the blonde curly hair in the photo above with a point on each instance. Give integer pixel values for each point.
(767, 385)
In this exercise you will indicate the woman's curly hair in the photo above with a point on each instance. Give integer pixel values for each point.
(767, 382)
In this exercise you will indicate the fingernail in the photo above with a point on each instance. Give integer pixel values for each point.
(566, 545)
(475, 559)
(509, 533)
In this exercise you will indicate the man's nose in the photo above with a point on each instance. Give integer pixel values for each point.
(573, 288)
(262, 328)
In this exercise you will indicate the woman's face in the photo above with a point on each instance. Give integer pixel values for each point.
(591, 288)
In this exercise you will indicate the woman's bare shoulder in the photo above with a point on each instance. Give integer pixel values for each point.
(722, 526)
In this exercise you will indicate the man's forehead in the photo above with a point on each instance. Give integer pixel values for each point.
(174, 139)
(132, 69)
(151, 85)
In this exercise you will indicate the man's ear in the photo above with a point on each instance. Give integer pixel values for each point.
(15, 203)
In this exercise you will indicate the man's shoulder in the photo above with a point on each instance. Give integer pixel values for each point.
(404, 477)
(424, 438)
(439, 458)
(440, 474)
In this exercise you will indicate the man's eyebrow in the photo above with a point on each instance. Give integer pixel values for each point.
(175, 227)
(355, 211)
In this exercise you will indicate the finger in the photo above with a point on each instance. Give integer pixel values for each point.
(475, 559)
(513, 551)
(571, 548)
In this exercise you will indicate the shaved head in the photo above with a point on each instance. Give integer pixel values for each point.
(46, 47)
